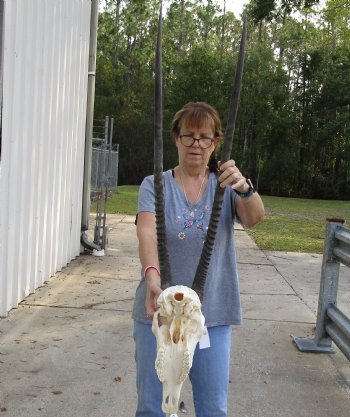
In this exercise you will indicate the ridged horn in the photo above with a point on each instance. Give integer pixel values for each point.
(203, 265)
(163, 255)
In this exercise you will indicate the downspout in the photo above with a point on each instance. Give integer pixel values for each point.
(1, 65)
(88, 128)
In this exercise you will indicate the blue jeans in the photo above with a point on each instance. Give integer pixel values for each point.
(209, 374)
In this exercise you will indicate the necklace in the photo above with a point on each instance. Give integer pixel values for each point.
(185, 194)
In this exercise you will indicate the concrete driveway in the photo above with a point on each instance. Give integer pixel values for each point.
(67, 351)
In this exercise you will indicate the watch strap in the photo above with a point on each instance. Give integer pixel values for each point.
(250, 190)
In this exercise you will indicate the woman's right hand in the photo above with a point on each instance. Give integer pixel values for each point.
(147, 235)
(153, 292)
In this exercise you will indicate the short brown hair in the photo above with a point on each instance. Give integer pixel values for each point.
(194, 114)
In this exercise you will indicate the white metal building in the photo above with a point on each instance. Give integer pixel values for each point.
(45, 55)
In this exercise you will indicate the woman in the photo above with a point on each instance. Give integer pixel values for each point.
(188, 194)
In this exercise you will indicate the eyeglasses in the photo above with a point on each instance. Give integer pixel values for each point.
(203, 142)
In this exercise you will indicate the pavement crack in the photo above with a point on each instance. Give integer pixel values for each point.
(92, 305)
(255, 263)
(268, 294)
(267, 320)
(79, 307)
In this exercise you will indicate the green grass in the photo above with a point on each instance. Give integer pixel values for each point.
(124, 201)
(296, 225)
(291, 224)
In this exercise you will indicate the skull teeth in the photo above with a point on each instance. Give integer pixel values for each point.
(160, 364)
(186, 366)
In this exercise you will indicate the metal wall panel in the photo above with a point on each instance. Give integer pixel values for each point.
(45, 72)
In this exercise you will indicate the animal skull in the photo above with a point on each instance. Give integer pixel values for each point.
(177, 325)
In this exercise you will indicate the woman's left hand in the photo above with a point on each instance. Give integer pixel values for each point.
(231, 175)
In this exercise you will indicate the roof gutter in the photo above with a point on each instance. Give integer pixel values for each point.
(88, 129)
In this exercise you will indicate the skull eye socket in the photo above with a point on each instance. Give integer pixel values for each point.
(179, 296)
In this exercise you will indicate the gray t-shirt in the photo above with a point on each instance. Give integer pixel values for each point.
(186, 228)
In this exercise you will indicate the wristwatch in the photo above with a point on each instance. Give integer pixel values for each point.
(250, 191)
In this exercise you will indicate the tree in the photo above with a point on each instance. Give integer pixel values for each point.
(292, 131)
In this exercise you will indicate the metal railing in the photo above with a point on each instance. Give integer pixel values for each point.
(331, 324)
(104, 175)
(105, 157)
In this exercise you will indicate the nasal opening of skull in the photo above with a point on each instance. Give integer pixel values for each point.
(179, 296)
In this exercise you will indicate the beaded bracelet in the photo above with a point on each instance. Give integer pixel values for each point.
(150, 267)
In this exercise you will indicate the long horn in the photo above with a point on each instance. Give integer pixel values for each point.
(203, 265)
(163, 255)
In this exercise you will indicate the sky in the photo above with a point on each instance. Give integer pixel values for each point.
(235, 6)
